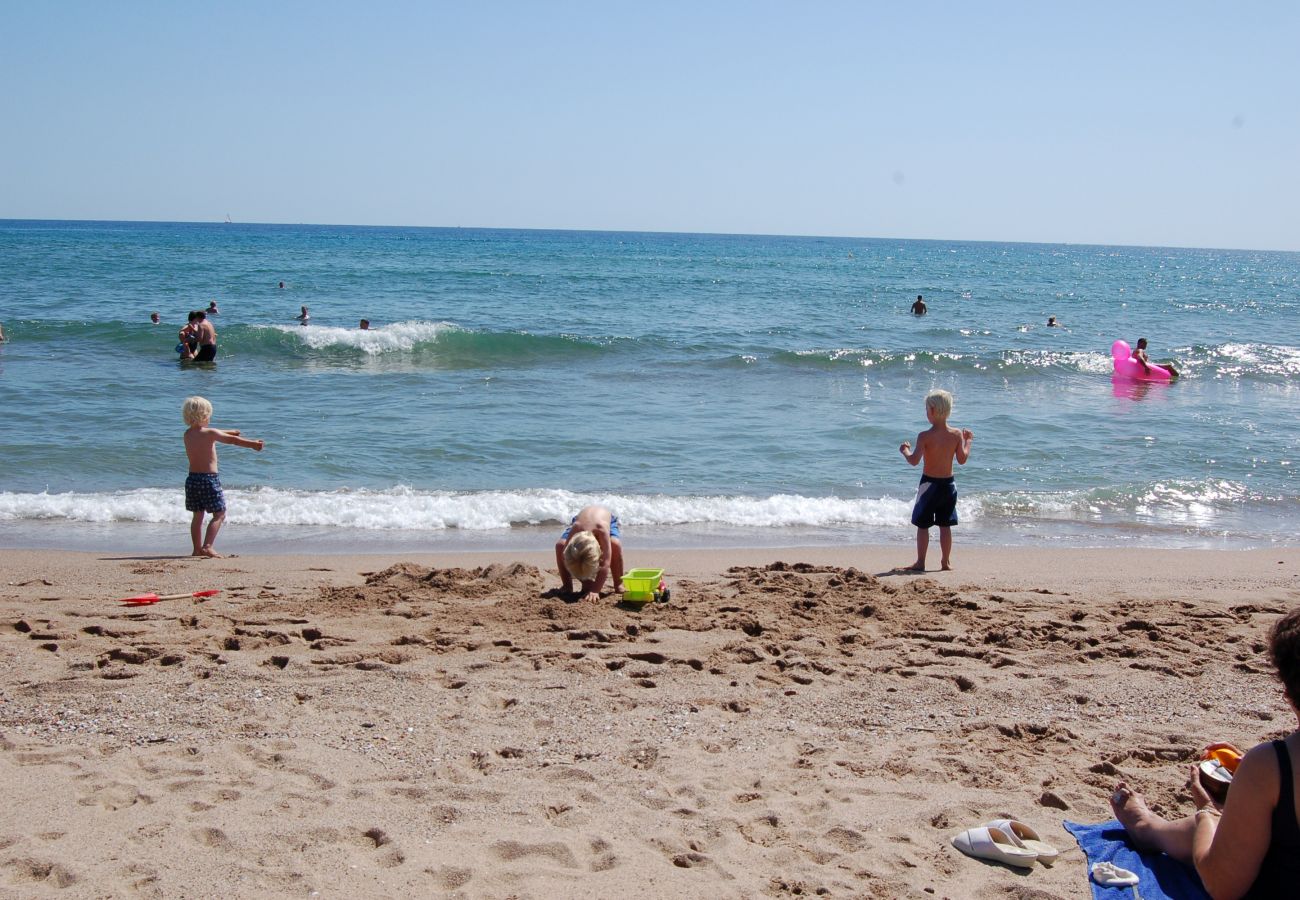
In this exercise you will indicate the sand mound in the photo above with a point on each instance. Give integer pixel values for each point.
(777, 730)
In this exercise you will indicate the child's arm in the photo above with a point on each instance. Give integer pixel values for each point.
(913, 456)
(232, 437)
(963, 445)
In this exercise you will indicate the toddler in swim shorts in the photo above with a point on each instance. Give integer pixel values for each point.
(589, 550)
(203, 494)
(936, 495)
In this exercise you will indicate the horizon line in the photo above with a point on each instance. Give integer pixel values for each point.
(755, 234)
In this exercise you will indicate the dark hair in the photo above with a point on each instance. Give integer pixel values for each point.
(1284, 650)
(1141, 341)
(200, 315)
(194, 314)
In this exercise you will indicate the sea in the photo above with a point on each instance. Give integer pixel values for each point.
(714, 390)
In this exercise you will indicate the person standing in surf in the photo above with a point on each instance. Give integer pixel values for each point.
(207, 336)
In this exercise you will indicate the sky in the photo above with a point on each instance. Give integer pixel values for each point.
(1153, 123)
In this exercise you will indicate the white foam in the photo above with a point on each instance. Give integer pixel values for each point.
(406, 508)
(394, 338)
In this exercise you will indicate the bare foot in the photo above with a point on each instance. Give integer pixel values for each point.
(209, 553)
(947, 567)
(1138, 820)
(914, 567)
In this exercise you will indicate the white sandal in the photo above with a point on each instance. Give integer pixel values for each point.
(994, 844)
(1024, 836)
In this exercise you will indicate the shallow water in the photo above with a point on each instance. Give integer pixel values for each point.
(713, 389)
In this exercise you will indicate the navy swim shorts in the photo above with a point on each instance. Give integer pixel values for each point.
(613, 528)
(203, 493)
(936, 502)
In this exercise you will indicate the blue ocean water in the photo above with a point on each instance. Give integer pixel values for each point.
(713, 389)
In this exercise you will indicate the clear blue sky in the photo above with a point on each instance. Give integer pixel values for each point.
(1167, 123)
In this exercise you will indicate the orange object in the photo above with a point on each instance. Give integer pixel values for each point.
(1225, 755)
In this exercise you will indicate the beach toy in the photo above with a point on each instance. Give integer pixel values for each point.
(643, 585)
(1225, 755)
(1128, 367)
(146, 599)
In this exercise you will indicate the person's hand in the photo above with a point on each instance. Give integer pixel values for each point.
(905, 447)
(968, 435)
(1200, 796)
(258, 445)
(591, 596)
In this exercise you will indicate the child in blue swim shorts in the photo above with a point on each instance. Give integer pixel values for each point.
(589, 550)
(203, 486)
(936, 495)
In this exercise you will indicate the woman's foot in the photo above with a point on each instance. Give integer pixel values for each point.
(1132, 811)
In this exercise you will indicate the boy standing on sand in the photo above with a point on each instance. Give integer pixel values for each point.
(203, 486)
(589, 550)
(936, 496)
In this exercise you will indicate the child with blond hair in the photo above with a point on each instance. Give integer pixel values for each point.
(589, 550)
(203, 492)
(936, 495)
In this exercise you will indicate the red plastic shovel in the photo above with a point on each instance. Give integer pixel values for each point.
(146, 599)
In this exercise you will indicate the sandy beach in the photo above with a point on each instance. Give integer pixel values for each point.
(791, 723)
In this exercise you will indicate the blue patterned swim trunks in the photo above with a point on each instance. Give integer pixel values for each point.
(936, 502)
(203, 493)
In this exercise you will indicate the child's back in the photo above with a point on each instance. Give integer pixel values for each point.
(939, 445)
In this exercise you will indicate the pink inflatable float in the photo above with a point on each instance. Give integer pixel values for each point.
(1128, 367)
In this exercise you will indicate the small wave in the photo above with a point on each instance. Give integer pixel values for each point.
(1002, 361)
(1207, 504)
(1240, 360)
(436, 344)
(400, 337)
(403, 508)
(444, 343)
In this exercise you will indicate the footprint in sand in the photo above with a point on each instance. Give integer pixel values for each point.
(211, 837)
(378, 839)
(603, 855)
(33, 871)
(510, 851)
(114, 796)
(451, 877)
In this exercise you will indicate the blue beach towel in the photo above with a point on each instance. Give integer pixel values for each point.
(1162, 878)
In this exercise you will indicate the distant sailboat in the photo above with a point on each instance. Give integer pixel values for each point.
(227, 218)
